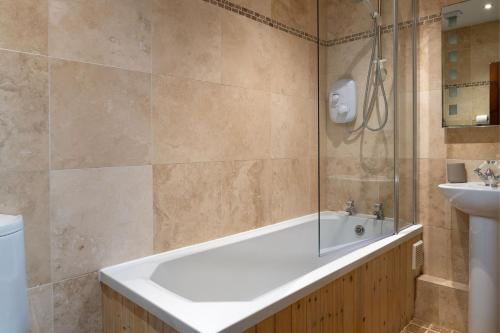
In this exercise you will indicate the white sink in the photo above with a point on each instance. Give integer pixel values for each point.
(474, 198)
(482, 203)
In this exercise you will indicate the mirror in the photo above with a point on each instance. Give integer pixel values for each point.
(471, 63)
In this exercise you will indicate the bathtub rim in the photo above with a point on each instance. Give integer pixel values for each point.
(249, 313)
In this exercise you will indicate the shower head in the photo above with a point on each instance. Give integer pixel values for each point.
(374, 13)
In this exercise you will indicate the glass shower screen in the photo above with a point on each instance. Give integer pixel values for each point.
(366, 121)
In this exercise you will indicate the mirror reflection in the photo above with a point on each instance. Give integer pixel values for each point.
(471, 63)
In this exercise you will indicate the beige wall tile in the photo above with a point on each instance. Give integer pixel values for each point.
(481, 56)
(437, 243)
(100, 116)
(290, 188)
(343, 188)
(291, 124)
(262, 7)
(429, 59)
(247, 50)
(427, 301)
(453, 308)
(201, 201)
(23, 25)
(294, 69)
(250, 190)
(433, 208)
(27, 193)
(115, 32)
(191, 203)
(431, 7)
(199, 121)
(99, 217)
(77, 305)
(476, 151)
(459, 256)
(187, 38)
(23, 112)
(298, 14)
(484, 33)
(41, 309)
(431, 135)
(344, 18)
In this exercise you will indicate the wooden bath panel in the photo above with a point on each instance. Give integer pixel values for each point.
(377, 297)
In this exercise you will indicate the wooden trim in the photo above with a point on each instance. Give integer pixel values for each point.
(494, 94)
(377, 297)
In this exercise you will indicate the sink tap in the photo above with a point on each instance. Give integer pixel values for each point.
(487, 174)
(349, 207)
(379, 211)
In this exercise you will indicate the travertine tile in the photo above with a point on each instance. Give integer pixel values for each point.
(100, 116)
(197, 202)
(99, 217)
(427, 301)
(114, 32)
(459, 220)
(27, 193)
(344, 18)
(77, 305)
(290, 188)
(291, 124)
(429, 59)
(431, 7)
(41, 309)
(485, 33)
(459, 256)
(467, 144)
(262, 7)
(433, 207)
(431, 136)
(453, 308)
(23, 25)
(199, 121)
(191, 203)
(187, 38)
(247, 49)
(298, 14)
(250, 190)
(23, 112)
(437, 243)
(294, 65)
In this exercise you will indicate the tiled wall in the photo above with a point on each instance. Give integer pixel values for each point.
(360, 166)
(130, 127)
(442, 293)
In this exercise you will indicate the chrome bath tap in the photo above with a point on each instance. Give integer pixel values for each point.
(487, 174)
(349, 207)
(379, 211)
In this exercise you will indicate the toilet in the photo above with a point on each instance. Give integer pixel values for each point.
(13, 293)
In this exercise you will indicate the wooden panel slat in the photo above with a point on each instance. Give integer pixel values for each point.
(283, 321)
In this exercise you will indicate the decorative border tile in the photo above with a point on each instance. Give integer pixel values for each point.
(425, 20)
(262, 19)
(468, 84)
(240, 10)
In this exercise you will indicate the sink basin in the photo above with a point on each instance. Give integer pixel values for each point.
(474, 198)
(482, 203)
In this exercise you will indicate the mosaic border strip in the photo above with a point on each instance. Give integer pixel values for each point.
(253, 15)
(425, 20)
(225, 4)
(468, 84)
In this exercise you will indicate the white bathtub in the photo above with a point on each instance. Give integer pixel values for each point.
(232, 283)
